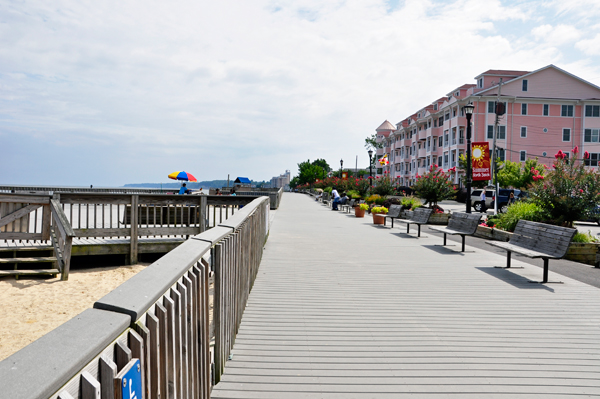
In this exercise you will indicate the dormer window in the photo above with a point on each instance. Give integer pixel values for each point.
(480, 83)
(435, 107)
(457, 94)
(525, 83)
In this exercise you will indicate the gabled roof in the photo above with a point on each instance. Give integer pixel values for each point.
(242, 180)
(386, 126)
(502, 72)
(527, 74)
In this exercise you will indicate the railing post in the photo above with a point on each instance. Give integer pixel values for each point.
(203, 212)
(133, 253)
(46, 222)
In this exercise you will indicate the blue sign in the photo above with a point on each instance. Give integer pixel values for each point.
(131, 387)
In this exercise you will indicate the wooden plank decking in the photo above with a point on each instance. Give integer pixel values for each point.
(344, 309)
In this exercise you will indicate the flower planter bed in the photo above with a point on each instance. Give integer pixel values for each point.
(435, 218)
(492, 234)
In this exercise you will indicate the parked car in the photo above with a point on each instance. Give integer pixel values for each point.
(476, 198)
(490, 198)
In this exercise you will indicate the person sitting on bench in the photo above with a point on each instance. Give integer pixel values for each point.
(336, 199)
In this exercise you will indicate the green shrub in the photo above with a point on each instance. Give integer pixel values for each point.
(411, 202)
(520, 210)
(354, 194)
(328, 190)
(375, 199)
(584, 237)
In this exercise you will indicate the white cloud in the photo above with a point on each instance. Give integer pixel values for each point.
(590, 46)
(249, 88)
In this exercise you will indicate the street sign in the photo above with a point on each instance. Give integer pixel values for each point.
(480, 154)
(128, 383)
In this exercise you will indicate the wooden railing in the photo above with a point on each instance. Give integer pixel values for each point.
(21, 219)
(62, 239)
(158, 319)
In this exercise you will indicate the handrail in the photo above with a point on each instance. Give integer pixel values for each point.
(159, 316)
(62, 239)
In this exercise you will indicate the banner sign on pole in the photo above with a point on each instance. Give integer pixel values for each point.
(480, 160)
(344, 175)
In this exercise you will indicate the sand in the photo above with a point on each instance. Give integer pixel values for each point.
(32, 307)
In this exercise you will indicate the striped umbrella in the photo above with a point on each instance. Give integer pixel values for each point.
(181, 175)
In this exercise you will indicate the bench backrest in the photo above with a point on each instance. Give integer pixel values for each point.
(352, 202)
(421, 215)
(541, 237)
(466, 222)
(394, 211)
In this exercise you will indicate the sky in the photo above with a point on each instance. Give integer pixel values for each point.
(114, 92)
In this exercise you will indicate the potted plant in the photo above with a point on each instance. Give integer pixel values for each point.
(359, 211)
(379, 214)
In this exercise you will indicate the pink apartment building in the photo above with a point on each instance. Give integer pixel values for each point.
(546, 110)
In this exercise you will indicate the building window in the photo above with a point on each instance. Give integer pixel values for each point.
(523, 109)
(435, 107)
(592, 110)
(524, 86)
(500, 154)
(441, 121)
(591, 136)
(592, 161)
(492, 107)
(435, 123)
(522, 156)
(501, 132)
(523, 131)
(480, 83)
(440, 141)
(445, 138)
(566, 134)
(439, 161)
(546, 109)
(461, 136)
(447, 116)
(445, 159)
(566, 110)
(454, 112)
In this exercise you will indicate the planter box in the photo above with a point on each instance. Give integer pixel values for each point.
(492, 234)
(587, 253)
(435, 218)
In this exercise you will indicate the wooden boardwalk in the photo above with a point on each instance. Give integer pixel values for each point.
(344, 309)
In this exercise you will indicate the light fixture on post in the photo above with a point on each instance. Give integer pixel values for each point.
(341, 166)
(468, 113)
(370, 167)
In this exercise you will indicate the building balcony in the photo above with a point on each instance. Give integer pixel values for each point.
(422, 171)
(422, 135)
(422, 153)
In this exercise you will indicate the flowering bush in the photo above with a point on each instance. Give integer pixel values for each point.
(434, 186)
(379, 209)
(568, 192)
(383, 185)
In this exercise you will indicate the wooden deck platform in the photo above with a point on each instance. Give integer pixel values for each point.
(345, 309)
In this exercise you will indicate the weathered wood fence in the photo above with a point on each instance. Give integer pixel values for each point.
(159, 317)
(66, 216)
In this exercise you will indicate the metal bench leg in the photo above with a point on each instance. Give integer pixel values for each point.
(384, 221)
(508, 259)
(463, 242)
(545, 279)
(407, 228)
(444, 239)
(418, 230)
(392, 223)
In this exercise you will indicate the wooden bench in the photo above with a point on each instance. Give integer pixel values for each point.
(420, 216)
(460, 223)
(537, 240)
(347, 206)
(393, 213)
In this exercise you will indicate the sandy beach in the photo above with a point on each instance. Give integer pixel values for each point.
(32, 307)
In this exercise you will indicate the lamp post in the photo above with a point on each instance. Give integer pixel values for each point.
(468, 113)
(341, 166)
(370, 168)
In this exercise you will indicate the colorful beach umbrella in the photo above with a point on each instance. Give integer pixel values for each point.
(181, 175)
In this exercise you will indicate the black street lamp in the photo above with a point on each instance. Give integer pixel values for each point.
(341, 166)
(468, 113)
(370, 168)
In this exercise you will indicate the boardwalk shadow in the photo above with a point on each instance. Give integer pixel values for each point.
(513, 279)
(405, 235)
(446, 250)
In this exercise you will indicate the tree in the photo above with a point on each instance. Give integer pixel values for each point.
(309, 172)
(568, 192)
(517, 175)
(371, 142)
(434, 186)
